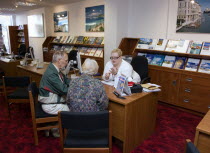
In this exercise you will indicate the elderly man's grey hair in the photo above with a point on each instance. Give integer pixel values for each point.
(90, 67)
(58, 55)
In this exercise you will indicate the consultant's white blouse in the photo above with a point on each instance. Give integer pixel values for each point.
(125, 69)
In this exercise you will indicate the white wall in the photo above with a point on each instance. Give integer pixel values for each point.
(148, 19)
(123, 18)
(116, 24)
(76, 18)
(157, 19)
(36, 43)
(76, 22)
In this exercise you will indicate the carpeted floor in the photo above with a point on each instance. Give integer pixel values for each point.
(173, 127)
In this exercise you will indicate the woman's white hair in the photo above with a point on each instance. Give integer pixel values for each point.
(90, 66)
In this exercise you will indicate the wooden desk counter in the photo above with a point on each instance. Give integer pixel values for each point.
(32, 71)
(134, 118)
(202, 135)
(9, 67)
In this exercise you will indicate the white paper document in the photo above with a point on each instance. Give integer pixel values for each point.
(110, 83)
(154, 90)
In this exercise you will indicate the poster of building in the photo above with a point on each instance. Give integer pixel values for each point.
(193, 16)
(94, 18)
(61, 22)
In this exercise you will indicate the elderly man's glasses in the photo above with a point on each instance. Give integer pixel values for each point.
(114, 58)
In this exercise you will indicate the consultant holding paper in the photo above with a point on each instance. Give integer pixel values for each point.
(117, 66)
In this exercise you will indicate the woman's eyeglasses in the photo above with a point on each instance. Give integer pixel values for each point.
(114, 58)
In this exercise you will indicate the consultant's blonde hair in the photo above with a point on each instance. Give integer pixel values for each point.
(90, 67)
(119, 51)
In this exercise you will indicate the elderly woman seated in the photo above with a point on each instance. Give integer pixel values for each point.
(85, 93)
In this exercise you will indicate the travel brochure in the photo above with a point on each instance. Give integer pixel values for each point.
(155, 44)
(179, 46)
(178, 62)
(87, 51)
(79, 40)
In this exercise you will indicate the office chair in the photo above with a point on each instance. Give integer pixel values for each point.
(190, 147)
(140, 65)
(37, 114)
(15, 90)
(72, 56)
(85, 132)
(22, 50)
(72, 64)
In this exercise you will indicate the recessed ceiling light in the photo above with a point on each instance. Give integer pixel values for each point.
(7, 9)
(24, 4)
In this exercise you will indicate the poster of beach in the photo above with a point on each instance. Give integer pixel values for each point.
(94, 19)
(193, 16)
(61, 22)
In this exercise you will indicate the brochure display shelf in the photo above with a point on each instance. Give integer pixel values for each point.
(100, 60)
(188, 55)
(18, 35)
(186, 89)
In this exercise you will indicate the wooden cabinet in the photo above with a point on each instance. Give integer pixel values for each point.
(169, 82)
(50, 44)
(18, 35)
(186, 89)
(194, 92)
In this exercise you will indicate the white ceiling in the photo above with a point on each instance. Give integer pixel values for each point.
(10, 4)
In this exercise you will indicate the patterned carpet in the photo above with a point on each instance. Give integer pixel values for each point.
(173, 127)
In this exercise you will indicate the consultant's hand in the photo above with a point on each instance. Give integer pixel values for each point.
(114, 71)
(107, 76)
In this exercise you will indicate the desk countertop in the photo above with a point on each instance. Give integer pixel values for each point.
(109, 89)
(204, 125)
(129, 99)
(33, 69)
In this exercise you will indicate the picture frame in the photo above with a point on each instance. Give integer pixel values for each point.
(94, 19)
(36, 25)
(61, 23)
(193, 16)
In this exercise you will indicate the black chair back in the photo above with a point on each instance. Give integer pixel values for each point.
(73, 55)
(85, 121)
(140, 65)
(34, 90)
(22, 50)
(21, 81)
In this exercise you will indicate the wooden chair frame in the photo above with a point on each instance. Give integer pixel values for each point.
(63, 133)
(37, 121)
(7, 90)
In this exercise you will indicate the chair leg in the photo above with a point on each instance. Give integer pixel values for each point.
(8, 110)
(35, 133)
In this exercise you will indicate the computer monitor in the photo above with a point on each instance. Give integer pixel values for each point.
(31, 51)
(79, 65)
(74, 64)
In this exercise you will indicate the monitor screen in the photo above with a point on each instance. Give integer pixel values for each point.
(31, 51)
(74, 64)
(79, 65)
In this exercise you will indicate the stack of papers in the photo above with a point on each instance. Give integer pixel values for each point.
(110, 83)
(149, 87)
